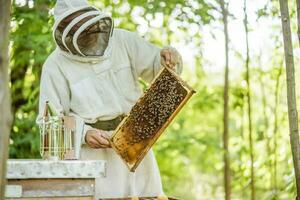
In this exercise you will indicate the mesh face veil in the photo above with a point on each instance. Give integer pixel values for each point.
(97, 33)
(84, 33)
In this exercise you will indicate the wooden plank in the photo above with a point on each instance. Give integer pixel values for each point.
(5, 106)
(46, 169)
(13, 191)
(54, 198)
(33, 188)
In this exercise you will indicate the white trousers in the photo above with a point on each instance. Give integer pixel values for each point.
(119, 181)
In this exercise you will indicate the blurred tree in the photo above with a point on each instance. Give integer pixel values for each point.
(291, 92)
(224, 8)
(5, 104)
(249, 101)
(298, 18)
(275, 130)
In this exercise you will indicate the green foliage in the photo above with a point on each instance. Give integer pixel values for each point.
(190, 153)
(31, 44)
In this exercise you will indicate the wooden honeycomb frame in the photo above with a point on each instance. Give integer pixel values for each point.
(162, 101)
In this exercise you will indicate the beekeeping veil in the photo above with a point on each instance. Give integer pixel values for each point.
(80, 29)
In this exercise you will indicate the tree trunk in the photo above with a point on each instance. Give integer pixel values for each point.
(249, 103)
(226, 109)
(298, 18)
(266, 123)
(276, 126)
(5, 117)
(291, 92)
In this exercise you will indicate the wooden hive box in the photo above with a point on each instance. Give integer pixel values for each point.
(150, 116)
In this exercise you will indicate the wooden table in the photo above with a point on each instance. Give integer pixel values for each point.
(53, 180)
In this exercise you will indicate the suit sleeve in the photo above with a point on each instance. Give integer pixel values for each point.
(145, 57)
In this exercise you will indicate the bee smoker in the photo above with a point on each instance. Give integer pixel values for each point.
(57, 136)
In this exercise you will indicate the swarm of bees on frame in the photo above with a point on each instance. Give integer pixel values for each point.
(148, 116)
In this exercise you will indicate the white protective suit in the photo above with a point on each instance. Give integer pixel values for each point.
(102, 88)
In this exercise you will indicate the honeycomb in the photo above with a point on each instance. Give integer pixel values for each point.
(150, 116)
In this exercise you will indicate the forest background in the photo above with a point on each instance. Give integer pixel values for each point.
(190, 153)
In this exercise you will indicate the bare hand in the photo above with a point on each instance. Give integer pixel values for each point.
(97, 139)
(170, 57)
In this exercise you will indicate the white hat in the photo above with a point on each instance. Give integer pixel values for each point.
(64, 8)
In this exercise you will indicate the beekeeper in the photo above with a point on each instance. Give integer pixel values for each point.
(93, 74)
